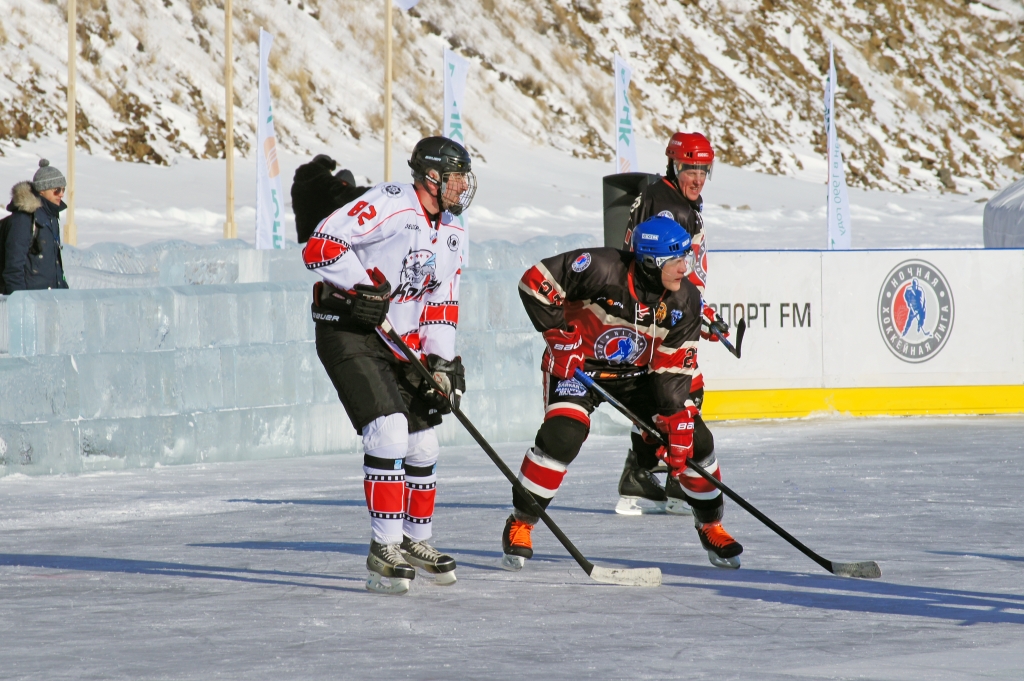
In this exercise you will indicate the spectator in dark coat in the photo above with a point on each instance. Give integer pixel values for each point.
(316, 193)
(30, 238)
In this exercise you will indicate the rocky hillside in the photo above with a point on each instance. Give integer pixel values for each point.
(931, 91)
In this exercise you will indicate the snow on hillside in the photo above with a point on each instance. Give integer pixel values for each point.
(931, 91)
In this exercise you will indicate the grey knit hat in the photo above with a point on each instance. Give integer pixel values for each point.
(47, 177)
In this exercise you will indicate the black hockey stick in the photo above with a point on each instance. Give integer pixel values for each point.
(867, 569)
(741, 328)
(620, 576)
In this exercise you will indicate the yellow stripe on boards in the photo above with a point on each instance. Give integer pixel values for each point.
(916, 401)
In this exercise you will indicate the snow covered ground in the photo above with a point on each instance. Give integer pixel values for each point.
(524, 192)
(254, 570)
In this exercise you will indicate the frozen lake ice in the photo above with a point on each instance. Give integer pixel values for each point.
(255, 569)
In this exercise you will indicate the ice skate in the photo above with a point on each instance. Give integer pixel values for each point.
(638, 484)
(723, 550)
(385, 562)
(516, 544)
(676, 503)
(424, 556)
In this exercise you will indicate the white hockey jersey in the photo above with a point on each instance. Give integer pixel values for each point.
(387, 228)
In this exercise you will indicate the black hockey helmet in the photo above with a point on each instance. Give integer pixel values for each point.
(447, 158)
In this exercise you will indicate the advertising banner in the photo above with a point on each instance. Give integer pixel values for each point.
(867, 332)
(838, 198)
(269, 199)
(455, 70)
(625, 139)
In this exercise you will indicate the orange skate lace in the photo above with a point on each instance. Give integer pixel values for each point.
(519, 534)
(716, 535)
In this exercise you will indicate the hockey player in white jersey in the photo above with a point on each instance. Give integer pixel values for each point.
(396, 253)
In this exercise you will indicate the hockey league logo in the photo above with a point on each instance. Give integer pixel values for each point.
(619, 345)
(915, 311)
(581, 263)
(418, 276)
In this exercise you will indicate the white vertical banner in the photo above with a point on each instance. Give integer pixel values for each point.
(269, 199)
(455, 70)
(838, 198)
(625, 140)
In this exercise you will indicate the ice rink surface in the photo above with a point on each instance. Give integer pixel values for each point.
(255, 570)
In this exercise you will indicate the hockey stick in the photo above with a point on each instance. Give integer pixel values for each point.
(620, 576)
(741, 328)
(867, 569)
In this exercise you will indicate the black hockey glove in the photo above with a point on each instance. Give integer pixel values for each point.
(451, 376)
(366, 305)
(712, 326)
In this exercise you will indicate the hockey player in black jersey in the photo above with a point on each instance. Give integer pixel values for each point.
(677, 195)
(395, 253)
(631, 321)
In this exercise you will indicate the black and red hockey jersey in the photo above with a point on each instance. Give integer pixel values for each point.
(662, 196)
(625, 328)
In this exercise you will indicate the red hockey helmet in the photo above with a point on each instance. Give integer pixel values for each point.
(690, 151)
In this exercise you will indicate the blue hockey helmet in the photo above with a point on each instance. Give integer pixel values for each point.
(658, 240)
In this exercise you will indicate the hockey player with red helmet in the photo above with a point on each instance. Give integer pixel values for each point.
(677, 195)
(395, 253)
(631, 321)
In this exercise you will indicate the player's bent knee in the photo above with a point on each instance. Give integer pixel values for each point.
(561, 438)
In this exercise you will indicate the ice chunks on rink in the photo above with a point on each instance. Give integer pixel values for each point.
(106, 379)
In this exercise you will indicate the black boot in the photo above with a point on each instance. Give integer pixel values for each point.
(677, 503)
(639, 483)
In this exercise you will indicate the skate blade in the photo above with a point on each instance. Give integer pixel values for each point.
(867, 570)
(645, 577)
(631, 506)
(729, 563)
(394, 586)
(444, 578)
(512, 563)
(677, 507)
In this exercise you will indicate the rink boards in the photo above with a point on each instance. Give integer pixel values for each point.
(868, 332)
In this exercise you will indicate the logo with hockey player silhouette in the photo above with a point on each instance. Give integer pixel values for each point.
(418, 276)
(619, 346)
(915, 311)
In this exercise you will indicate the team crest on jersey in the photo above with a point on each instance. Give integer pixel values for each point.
(915, 311)
(418, 276)
(642, 311)
(453, 243)
(662, 311)
(581, 263)
(676, 316)
(619, 345)
(392, 190)
(570, 388)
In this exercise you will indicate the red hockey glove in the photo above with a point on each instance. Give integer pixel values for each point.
(678, 429)
(564, 354)
(711, 325)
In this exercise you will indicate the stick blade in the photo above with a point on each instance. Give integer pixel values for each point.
(866, 570)
(644, 577)
(741, 329)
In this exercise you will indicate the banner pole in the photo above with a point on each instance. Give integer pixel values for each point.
(70, 228)
(230, 229)
(387, 90)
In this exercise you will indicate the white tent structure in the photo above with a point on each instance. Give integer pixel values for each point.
(1004, 218)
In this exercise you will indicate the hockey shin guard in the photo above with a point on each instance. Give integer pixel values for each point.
(385, 442)
(420, 485)
(705, 499)
(542, 476)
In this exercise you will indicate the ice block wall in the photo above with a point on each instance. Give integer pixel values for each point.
(107, 379)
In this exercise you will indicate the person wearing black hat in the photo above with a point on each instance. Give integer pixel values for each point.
(30, 235)
(316, 193)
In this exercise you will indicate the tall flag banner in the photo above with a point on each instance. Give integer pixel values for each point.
(455, 70)
(838, 198)
(625, 139)
(269, 199)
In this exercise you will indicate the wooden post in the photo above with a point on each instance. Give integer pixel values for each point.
(70, 228)
(230, 229)
(387, 90)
